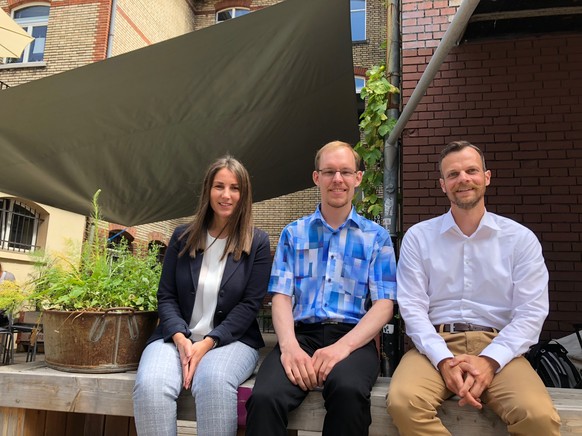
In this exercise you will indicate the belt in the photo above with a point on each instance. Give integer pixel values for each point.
(301, 324)
(457, 327)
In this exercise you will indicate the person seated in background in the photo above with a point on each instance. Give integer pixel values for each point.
(214, 279)
(6, 275)
(473, 293)
(328, 266)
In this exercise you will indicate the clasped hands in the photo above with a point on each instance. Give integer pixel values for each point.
(190, 355)
(310, 372)
(468, 376)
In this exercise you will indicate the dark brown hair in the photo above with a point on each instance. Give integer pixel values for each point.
(240, 224)
(456, 146)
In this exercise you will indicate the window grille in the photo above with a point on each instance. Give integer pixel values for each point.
(18, 226)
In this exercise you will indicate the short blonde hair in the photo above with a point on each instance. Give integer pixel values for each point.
(335, 145)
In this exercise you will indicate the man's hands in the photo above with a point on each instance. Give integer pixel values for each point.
(310, 372)
(468, 376)
(190, 355)
(326, 358)
(299, 367)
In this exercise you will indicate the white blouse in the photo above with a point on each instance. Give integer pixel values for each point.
(209, 281)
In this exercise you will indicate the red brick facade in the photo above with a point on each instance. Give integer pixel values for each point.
(520, 100)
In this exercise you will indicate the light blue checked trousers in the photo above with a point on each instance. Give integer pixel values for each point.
(214, 388)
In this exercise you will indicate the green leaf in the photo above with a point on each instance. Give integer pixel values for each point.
(374, 126)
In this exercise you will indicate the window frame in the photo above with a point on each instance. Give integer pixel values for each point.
(29, 25)
(233, 10)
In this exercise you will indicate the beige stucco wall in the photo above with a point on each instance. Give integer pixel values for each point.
(59, 231)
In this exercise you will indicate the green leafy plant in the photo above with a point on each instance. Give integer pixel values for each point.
(12, 296)
(374, 126)
(100, 278)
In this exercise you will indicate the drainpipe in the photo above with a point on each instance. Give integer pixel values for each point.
(450, 39)
(391, 151)
(111, 28)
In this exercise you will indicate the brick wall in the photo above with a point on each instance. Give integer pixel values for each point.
(520, 100)
(139, 24)
(75, 38)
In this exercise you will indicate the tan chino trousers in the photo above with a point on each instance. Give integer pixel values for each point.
(516, 394)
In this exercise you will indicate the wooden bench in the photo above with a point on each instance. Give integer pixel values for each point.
(34, 398)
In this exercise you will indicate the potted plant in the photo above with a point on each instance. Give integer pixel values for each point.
(99, 308)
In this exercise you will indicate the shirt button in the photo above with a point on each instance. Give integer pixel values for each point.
(328, 280)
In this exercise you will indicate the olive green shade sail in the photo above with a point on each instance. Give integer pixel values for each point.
(268, 88)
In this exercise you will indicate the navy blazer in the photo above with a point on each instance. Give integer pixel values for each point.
(243, 287)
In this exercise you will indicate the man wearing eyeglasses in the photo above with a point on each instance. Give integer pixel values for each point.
(328, 267)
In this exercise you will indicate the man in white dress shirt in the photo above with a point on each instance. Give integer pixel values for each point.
(473, 293)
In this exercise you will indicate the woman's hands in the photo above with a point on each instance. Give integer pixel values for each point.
(190, 355)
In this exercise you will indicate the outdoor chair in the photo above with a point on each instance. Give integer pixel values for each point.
(6, 344)
(8, 333)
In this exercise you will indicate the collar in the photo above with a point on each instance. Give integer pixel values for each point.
(353, 218)
(487, 220)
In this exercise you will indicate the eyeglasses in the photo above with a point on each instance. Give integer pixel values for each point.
(330, 174)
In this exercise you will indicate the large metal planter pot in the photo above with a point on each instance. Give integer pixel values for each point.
(96, 342)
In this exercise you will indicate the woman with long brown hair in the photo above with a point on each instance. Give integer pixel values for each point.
(215, 275)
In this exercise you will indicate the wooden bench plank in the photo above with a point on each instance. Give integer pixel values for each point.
(34, 386)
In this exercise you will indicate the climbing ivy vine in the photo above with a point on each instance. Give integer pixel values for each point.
(374, 126)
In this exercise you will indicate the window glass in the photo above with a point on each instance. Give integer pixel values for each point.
(229, 13)
(36, 48)
(33, 19)
(358, 19)
(32, 12)
(360, 83)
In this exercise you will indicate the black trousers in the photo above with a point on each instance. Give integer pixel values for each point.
(346, 391)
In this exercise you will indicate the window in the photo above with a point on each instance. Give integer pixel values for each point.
(360, 83)
(358, 18)
(161, 249)
(227, 14)
(33, 19)
(120, 237)
(18, 226)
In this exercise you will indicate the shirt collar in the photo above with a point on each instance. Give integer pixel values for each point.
(353, 217)
(488, 220)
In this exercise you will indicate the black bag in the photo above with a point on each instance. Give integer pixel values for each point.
(551, 362)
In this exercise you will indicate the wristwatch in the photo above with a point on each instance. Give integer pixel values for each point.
(213, 340)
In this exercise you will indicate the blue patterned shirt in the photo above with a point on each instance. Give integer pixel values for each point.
(331, 273)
